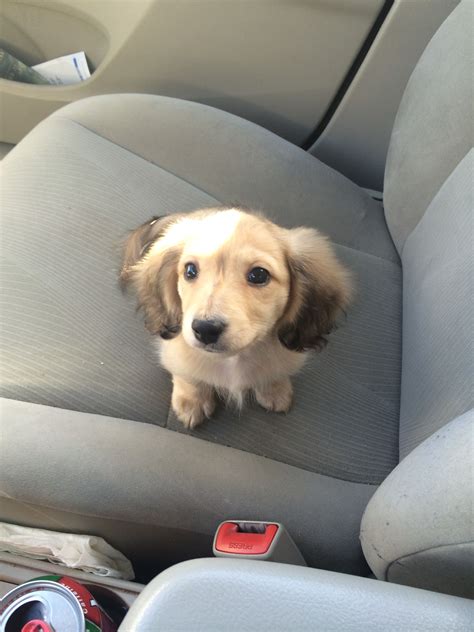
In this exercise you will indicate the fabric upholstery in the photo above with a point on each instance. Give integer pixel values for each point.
(418, 528)
(438, 312)
(434, 127)
(70, 339)
(127, 472)
(238, 162)
(210, 595)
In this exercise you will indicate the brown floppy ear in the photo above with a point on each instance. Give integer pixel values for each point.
(319, 289)
(152, 272)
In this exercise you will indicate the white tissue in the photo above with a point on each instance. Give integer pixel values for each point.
(84, 552)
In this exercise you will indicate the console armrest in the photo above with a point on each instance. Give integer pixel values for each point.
(228, 594)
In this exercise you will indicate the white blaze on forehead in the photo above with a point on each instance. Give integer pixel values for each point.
(201, 236)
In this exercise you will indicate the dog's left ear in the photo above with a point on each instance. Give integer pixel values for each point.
(320, 288)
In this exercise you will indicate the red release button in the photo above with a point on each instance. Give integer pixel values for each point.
(230, 539)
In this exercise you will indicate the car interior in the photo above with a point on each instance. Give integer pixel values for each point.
(354, 117)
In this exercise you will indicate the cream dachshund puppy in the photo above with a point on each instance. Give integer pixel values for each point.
(233, 302)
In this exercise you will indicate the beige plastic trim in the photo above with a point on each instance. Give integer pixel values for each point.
(278, 63)
(241, 595)
(356, 140)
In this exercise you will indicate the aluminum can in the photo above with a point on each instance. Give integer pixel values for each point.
(53, 603)
(41, 606)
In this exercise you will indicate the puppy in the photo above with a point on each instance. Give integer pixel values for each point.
(233, 302)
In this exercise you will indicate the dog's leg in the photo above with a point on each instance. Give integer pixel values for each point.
(276, 396)
(191, 403)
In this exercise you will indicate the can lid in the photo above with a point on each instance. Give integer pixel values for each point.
(36, 625)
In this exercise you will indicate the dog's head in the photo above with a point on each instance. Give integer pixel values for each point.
(227, 278)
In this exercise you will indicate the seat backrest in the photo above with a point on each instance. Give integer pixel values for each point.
(428, 204)
(418, 528)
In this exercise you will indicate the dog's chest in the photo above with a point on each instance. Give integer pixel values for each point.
(232, 373)
(235, 374)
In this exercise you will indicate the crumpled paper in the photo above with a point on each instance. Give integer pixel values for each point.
(88, 553)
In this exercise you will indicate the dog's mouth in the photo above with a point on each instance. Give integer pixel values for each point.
(224, 345)
(218, 348)
(210, 348)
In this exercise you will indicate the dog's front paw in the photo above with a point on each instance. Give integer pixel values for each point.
(276, 397)
(192, 404)
(188, 412)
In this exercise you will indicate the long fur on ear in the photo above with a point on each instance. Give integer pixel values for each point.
(153, 276)
(319, 289)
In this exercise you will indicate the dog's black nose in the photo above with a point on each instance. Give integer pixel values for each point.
(207, 331)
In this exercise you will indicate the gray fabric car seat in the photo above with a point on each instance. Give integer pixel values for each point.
(77, 371)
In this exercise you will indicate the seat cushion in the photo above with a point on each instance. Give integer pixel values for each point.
(433, 130)
(429, 206)
(438, 312)
(418, 527)
(159, 496)
(71, 340)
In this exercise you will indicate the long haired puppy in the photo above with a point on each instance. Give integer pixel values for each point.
(233, 302)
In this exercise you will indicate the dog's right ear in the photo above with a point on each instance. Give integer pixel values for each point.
(139, 242)
(153, 275)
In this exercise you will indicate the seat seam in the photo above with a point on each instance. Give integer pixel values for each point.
(133, 153)
(35, 506)
(423, 215)
(191, 184)
(194, 438)
(429, 548)
(396, 265)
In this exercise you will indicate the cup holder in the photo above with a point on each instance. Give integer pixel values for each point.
(109, 601)
(35, 34)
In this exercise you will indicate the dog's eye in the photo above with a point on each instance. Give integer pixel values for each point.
(190, 271)
(258, 276)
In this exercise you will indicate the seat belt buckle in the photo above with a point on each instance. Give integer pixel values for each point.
(256, 540)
